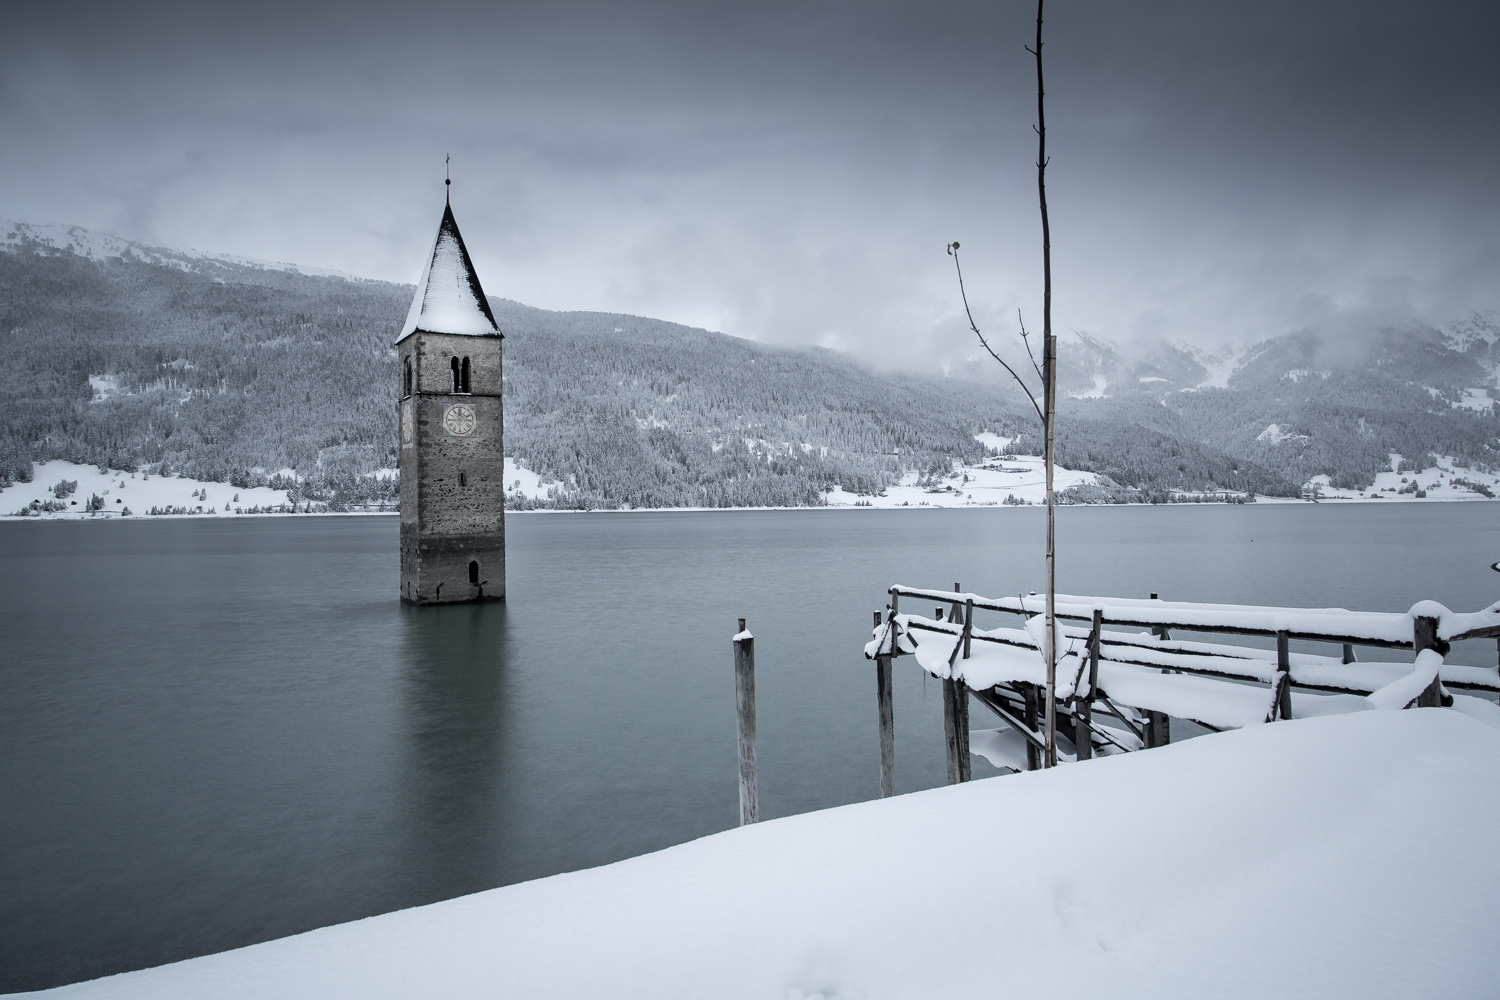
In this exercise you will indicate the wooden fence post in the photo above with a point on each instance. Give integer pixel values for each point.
(887, 721)
(1158, 729)
(1284, 668)
(1083, 708)
(1160, 631)
(744, 705)
(1158, 724)
(1424, 636)
(1033, 755)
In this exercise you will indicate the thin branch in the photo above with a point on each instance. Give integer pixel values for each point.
(953, 252)
(1025, 340)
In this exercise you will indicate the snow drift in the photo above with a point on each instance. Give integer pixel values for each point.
(1318, 857)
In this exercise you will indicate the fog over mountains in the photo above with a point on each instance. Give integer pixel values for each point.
(224, 368)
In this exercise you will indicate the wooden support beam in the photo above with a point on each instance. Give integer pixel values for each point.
(744, 706)
(1349, 653)
(956, 729)
(887, 721)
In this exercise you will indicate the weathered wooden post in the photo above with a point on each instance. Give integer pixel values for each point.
(1033, 755)
(1348, 653)
(1158, 724)
(1160, 631)
(1083, 711)
(956, 729)
(956, 704)
(1424, 636)
(1284, 674)
(887, 718)
(744, 705)
(1158, 729)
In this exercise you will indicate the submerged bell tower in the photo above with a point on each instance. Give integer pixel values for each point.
(452, 433)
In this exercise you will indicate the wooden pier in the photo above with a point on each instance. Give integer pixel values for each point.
(1117, 691)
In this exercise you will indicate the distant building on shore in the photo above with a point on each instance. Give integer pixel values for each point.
(452, 434)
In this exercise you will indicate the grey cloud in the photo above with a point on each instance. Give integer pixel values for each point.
(791, 172)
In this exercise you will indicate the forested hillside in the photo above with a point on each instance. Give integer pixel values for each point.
(225, 370)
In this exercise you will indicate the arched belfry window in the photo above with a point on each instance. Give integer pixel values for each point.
(474, 573)
(456, 380)
(464, 376)
(407, 373)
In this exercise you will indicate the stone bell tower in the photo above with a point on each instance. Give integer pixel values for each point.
(452, 434)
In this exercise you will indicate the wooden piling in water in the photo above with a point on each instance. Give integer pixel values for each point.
(887, 721)
(744, 705)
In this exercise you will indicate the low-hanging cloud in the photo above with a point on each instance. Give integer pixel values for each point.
(792, 172)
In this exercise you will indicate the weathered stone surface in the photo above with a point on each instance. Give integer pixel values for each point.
(452, 470)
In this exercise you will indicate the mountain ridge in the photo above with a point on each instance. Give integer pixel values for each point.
(221, 368)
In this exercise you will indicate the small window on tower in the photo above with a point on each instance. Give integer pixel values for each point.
(456, 381)
(465, 379)
(407, 373)
(474, 573)
(463, 479)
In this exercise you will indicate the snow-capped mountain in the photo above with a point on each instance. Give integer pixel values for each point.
(95, 245)
(125, 354)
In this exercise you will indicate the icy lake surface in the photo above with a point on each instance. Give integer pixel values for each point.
(216, 733)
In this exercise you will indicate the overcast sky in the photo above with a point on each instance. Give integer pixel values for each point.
(791, 173)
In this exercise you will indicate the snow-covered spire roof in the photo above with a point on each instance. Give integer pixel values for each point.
(449, 299)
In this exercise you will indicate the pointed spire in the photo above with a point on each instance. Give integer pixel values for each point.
(449, 298)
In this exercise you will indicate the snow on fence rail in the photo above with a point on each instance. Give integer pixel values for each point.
(1141, 680)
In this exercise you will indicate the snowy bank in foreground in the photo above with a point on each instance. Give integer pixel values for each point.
(1322, 857)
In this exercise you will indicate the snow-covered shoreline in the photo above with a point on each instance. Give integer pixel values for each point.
(986, 486)
(1309, 858)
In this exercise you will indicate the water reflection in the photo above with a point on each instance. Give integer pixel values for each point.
(451, 837)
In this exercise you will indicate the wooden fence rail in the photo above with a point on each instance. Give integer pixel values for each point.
(1187, 673)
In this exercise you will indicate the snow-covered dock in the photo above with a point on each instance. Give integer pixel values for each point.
(1315, 858)
(1117, 690)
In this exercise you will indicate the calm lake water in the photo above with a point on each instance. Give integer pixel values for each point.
(214, 733)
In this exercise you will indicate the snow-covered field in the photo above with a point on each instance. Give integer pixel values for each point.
(135, 492)
(1014, 479)
(1326, 857)
(139, 492)
(1444, 481)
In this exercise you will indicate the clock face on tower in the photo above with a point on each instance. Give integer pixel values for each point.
(459, 420)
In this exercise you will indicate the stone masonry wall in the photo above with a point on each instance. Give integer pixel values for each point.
(452, 484)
